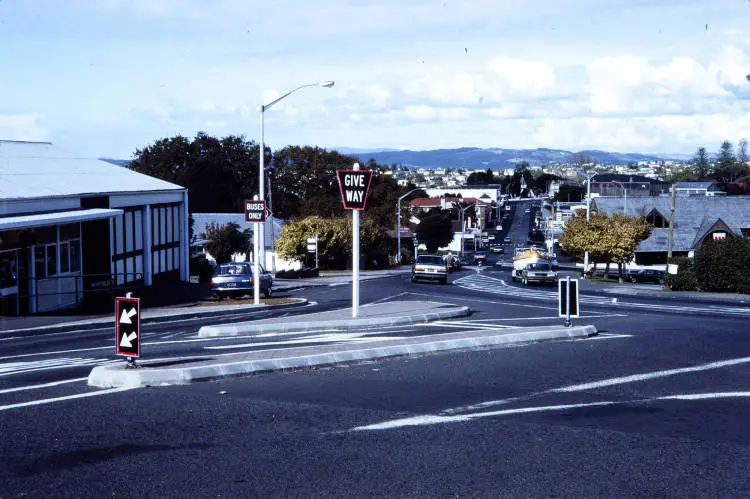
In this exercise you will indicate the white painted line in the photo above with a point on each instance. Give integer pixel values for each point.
(332, 338)
(388, 298)
(652, 375)
(607, 336)
(474, 300)
(62, 399)
(45, 385)
(477, 327)
(705, 396)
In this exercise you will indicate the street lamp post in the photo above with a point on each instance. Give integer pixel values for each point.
(263, 108)
(588, 210)
(398, 224)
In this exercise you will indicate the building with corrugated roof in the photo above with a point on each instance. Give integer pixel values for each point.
(696, 219)
(71, 225)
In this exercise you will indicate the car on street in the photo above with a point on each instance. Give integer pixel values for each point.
(538, 272)
(527, 210)
(480, 258)
(648, 276)
(453, 262)
(554, 263)
(431, 268)
(507, 240)
(232, 280)
(497, 249)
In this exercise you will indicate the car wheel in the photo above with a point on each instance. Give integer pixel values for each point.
(444, 281)
(525, 282)
(413, 279)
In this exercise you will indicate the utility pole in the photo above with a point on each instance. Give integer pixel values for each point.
(671, 228)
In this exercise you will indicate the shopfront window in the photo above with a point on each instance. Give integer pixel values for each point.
(8, 269)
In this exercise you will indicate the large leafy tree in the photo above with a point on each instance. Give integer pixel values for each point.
(623, 237)
(219, 173)
(435, 230)
(334, 241)
(727, 167)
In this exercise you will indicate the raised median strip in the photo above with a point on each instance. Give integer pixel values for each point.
(381, 315)
(187, 370)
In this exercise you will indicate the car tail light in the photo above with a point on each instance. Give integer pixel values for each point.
(419, 269)
(443, 270)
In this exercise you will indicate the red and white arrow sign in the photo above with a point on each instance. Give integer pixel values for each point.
(126, 315)
(126, 340)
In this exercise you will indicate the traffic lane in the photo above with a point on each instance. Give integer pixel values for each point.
(293, 432)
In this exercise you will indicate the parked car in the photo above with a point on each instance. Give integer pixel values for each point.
(429, 267)
(554, 263)
(540, 272)
(235, 279)
(480, 258)
(648, 276)
(527, 210)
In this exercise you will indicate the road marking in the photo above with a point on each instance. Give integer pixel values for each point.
(388, 298)
(45, 385)
(474, 300)
(652, 375)
(325, 338)
(62, 399)
(430, 419)
(12, 368)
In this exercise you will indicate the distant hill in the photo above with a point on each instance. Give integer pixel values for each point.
(118, 162)
(495, 158)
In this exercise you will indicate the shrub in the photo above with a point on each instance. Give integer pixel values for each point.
(201, 267)
(724, 265)
(685, 279)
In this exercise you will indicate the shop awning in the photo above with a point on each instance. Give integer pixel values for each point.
(60, 217)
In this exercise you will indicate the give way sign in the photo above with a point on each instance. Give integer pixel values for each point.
(354, 185)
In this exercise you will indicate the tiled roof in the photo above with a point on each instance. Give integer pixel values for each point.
(31, 170)
(425, 202)
(693, 217)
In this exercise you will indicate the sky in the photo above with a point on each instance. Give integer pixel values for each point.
(105, 78)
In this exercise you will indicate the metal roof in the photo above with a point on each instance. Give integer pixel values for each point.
(60, 217)
(693, 185)
(694, 216)
(31, 170)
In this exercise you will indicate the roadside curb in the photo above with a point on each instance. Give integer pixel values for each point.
(236, 330)
(308, 357)
(146, 317)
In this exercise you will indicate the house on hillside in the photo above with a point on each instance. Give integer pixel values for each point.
(618, 185)
(696, 220)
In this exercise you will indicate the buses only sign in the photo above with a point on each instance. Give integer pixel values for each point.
(354, 185)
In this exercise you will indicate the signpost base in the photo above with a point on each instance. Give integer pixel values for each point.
(131, 364)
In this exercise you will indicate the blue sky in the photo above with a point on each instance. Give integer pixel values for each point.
(106, 77)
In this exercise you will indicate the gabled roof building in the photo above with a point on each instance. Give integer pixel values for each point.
(72, 226)
(696, 220)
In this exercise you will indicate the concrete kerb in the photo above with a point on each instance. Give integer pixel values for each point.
(281, 327)
(307, 357)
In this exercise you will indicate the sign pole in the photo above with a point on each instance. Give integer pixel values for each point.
(256, 261)
(355, 259)
(316, 252)
(567, 302)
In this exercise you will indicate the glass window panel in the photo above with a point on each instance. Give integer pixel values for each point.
(118, 235)
(75, 255)
(138, 230)
(52, 259)
(40, 262)
(64, 257)
(163, 257)
(129, 231)
(8, 271)
(176, 252)
(168, 223)
(176, 223)
(162, 227)
(120, 271)
(155, 262)
(70, 231)
(169, 259)
(139, 267)
(154, 225)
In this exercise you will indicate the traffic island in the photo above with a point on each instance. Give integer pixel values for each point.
(162, 372)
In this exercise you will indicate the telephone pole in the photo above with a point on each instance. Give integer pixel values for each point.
(671, 228)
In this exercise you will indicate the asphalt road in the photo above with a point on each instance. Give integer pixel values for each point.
(654, 405)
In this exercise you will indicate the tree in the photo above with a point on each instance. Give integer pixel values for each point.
(623, 238)
(218, 173)
(581, 159)
(726, 164)
(480, 178)
(226, 240)
(701, 165)
(742, 157)
(435, 230)
(334, 241)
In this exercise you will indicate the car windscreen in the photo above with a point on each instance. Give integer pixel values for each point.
(539, 266)
(234, 269)
(430, 260)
